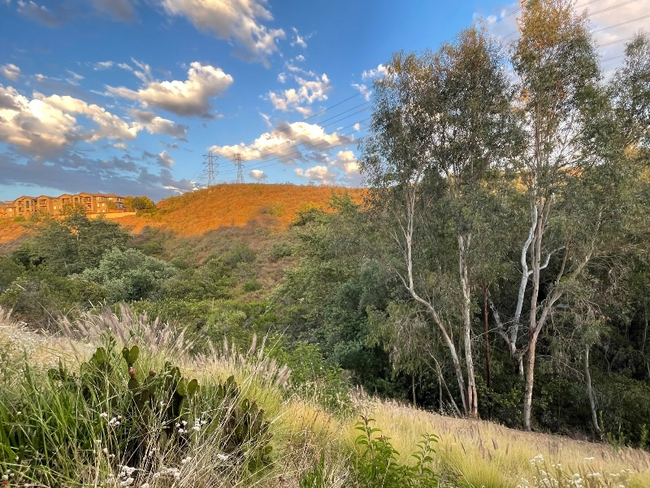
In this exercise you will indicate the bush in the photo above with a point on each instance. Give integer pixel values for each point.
(130, 275)
(376, 464)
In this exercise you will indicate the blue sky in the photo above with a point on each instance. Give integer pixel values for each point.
(127, 96)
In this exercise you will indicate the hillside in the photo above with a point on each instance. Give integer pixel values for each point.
(196, 213)
(309, 445)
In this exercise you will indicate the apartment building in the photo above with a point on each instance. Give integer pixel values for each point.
(93, 203)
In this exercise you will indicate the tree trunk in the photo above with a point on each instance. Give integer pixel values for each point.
(487, 338)
(590, 394)
(530, 380)
(472, 397)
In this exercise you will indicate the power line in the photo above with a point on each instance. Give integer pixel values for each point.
(293, 150)
(599, 11)
(621, 23)
(288, 156)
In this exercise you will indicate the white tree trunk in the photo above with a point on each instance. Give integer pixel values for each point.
(472, 396)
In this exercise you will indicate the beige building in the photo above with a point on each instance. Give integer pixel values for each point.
(93, 203)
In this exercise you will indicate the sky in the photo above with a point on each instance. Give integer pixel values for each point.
(131, 96)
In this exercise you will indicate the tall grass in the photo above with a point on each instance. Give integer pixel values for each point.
(82, 444)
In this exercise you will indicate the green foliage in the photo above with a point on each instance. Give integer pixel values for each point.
(625, 410)
(315, 378)
(75, 243)
(10, 269)
(107, 412)
(239, 254)
(243, 432)
(140, 204)
(39, 297)
(376, 461)
(281, 250)
(212, 280)
(130, 275)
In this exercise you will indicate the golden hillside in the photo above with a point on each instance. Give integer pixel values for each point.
(195, 213)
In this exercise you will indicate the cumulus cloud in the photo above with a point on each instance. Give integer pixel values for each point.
(10, 71)
(33, 125)
(158, 125)
(363, 89)
(290, 142)
(44, 125)
(311, 88)
(190, 97)
(258, 175)
(109, 126)
(318, 174)
(377, 72)
(239, 21)
(347, 162)
(164, 159)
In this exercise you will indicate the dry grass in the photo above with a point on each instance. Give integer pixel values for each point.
(11, 234)
(196, 213)
(490, 455)
(484, 454)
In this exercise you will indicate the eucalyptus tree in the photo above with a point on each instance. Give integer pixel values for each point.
(570, 146)
(441, 126)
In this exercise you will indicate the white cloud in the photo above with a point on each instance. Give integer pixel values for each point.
(189, 97)
(258, 175)
(158, 125)
(318, 174)
(282, 77)
(347, 161)
(164, 159)
(236, 20)
(101, 65)
(73, 78)
(308, 92)
(33, 125)
(298, 40)
(10, 71)
(109, 126)
(363, 89)
(288, 142)
(379, 71)
(44, 125)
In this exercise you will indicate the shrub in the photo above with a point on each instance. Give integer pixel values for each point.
(376, 463)
(130, 275)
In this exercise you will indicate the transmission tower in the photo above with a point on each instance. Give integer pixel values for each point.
(240, 168)
(210, 168)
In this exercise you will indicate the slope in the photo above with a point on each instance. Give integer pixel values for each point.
(234, 205)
